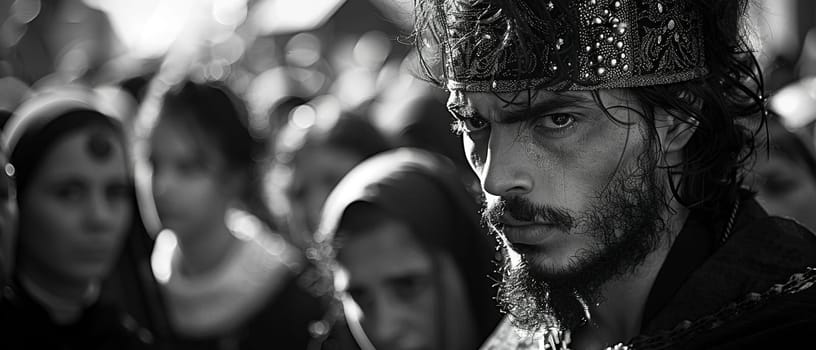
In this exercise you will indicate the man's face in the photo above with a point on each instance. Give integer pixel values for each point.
(571, 192)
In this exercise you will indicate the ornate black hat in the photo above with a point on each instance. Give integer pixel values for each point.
(514, 45)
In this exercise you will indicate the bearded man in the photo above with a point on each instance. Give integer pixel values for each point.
(611, 138)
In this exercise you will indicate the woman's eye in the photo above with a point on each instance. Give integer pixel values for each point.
(557, 121)
(118, 192)
(189, 167)
(68, 192)
(411, 287)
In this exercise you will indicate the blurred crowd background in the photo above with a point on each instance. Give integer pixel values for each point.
(320, 86)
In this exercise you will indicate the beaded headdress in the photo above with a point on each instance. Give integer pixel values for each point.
(514, 45)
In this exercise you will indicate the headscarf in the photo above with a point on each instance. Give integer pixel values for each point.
(424, 190)
(44, 119)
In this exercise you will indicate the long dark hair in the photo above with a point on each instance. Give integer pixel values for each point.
(728, 106)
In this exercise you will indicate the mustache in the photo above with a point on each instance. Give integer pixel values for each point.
(525, 210)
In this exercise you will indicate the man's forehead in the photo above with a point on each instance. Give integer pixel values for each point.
(467, 103)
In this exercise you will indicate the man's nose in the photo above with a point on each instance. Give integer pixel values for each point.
(507, 168)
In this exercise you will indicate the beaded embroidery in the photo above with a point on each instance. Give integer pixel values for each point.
(567, 45)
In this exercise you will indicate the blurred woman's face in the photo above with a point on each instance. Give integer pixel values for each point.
(406, 301)
(188, 186)
(316, 171)
(77, 208)
(8, 217)
(786, 188)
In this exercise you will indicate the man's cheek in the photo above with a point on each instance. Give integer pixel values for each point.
(474, 156)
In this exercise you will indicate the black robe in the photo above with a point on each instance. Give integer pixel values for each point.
(755, 290)
(25, 324)
(701, 279)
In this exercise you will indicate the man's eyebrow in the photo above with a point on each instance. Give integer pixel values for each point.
(465, 111)
(543, 107)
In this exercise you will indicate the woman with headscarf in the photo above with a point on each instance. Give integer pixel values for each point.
(76, 207)
(412, 262)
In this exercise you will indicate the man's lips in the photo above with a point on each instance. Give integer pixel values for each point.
(509, 220)
(523, 232)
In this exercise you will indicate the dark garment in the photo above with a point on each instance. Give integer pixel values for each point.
(339, 338)
(708, 296)
(26, 324)
(287, 321)
(132, 288)
(757, 290)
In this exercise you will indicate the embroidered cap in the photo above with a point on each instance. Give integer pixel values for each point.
(514, 45)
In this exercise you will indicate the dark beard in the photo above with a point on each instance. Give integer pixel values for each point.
(629, 206)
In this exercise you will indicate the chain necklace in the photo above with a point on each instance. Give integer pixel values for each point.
(687, 329)
(730, 226)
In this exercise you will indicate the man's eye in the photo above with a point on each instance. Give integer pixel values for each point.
(557, 121)
(468, 125)
(473, 124)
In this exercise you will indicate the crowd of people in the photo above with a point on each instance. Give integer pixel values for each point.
(611, 177)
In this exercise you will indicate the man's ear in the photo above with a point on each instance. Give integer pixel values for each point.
(674, 130)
